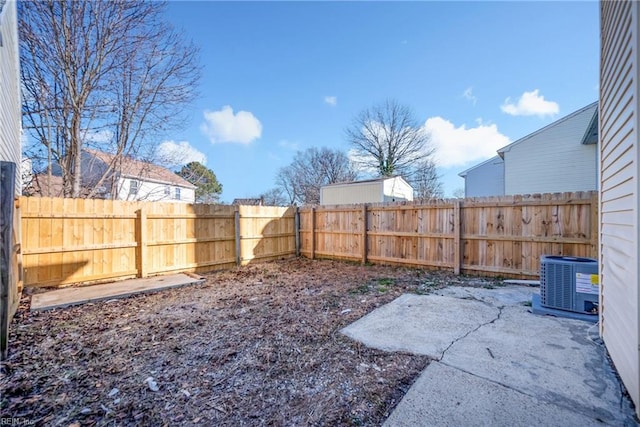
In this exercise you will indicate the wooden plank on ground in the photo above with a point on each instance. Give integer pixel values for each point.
(74, 296)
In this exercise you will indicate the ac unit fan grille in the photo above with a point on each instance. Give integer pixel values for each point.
(554, 295)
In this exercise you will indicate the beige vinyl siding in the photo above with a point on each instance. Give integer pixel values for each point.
(393, 189)
(553, 160)
(366, 192)
(10, 108)
(619, 173)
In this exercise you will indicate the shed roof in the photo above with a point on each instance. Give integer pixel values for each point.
(251, 201)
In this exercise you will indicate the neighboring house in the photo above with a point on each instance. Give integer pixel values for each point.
(485, 179)
(620, 189)
(256, 201)
(560, 157)
(392, 189)
(10, 110)
(130, 180)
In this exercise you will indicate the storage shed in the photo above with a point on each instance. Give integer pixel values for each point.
(380, 190)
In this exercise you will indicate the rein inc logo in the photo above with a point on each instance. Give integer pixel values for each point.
(16, 421)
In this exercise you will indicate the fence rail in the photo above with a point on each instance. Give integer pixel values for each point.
(493, 236)
(86, 240)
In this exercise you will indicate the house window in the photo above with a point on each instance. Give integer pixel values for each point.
(167, 191)
(177, 194)
(133, 187)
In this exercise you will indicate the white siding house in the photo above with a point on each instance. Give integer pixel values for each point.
(619, 176)
(10, 110)
(560, 157)
(557, 158)
(126, 179)
(485, 179)
(139, 180)
(393, 189)
(145, 189)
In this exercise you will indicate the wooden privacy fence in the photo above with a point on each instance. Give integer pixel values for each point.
(494, 236)
(86, 240)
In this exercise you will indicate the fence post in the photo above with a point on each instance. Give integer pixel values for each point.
(236, 215)
(7, 280)
(313, 233)
(364, 234)
(141, 231)
(595, 221)
(456, 238)
(297, 227)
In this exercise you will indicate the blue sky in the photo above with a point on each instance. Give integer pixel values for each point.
(286, 76)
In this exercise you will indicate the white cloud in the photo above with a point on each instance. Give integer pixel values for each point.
(97, 136)
(468, 95)
(331, 100)
(224, 126)
(456, 146)
(530, 104)
(179, 153)
(288, 145)
(361, 162)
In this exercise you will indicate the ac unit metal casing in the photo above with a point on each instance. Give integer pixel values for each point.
(569, 283)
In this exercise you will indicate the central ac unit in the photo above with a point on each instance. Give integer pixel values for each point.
(569, 283)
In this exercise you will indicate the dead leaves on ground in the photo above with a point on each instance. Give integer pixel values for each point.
(255, 346)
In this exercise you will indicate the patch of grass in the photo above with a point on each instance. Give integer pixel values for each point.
(526, 303)
(362, 289)
(386, 282)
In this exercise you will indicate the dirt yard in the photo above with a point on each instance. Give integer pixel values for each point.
(258, 345)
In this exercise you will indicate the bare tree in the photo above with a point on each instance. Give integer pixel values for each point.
(273, 197)
(110, 75)
(310, 170)
(286, 182)
(458, 193)
(388, 139)
(426, 181)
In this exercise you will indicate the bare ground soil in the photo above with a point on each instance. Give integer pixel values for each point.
(258, 345)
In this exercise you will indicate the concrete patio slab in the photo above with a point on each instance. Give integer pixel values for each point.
(495, 362)
(444, 396)
(420, 324)
(504, 295)
(557, 360)
(80, 295)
